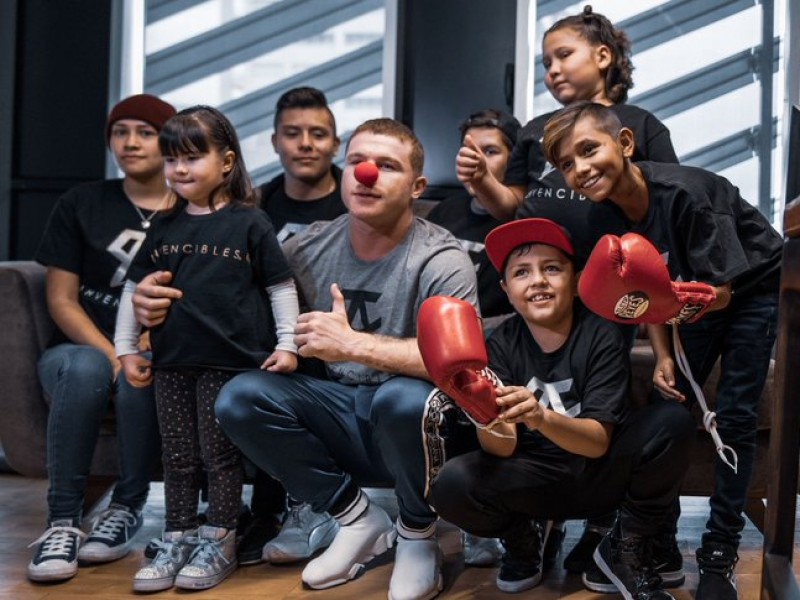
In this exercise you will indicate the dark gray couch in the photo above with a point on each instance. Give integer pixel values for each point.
(25, 328)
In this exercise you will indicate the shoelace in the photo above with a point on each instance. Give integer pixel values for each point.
(58, 540)
(168, 552)
(206, 551)
(709, 417)
(111, 521)
(636, 555)
(294, 520)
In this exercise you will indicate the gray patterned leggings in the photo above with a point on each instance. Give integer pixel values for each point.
(192, 440)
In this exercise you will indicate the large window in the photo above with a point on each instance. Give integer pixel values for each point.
(240, 55)
(704, 67)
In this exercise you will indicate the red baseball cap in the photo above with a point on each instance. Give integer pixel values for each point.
(503, 239)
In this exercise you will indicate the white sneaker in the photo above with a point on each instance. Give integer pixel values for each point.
(417, 573)
(370, 535)
(303, 533)
(480, 551)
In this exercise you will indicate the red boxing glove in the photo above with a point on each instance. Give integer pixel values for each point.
(450, 339)
(625, 280)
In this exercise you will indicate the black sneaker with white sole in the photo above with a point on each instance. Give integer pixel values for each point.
(56, 556)
(716, 563)
(521, 564)
(579, 559)
(262, 529)
(555, 532)
(112, 534)
(667, 562)
(626, 560)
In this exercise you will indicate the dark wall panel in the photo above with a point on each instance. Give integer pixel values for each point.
(60, 103)
(454, 57)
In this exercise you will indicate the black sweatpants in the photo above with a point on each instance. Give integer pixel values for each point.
(641, 474)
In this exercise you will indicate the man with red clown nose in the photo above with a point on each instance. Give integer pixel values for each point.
(364, 276)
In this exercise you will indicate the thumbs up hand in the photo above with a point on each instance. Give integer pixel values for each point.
(326, 335)
(470, 162)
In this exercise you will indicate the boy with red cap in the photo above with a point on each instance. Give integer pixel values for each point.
(565, 444)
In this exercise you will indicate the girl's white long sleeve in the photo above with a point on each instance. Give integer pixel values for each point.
(127, 329)
(285, 309)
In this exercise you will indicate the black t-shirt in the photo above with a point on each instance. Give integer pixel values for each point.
(289, 216)
(222, 261)
(706, 230)
(548, 195)
(94, 232)
(587, 377)
(457, 214)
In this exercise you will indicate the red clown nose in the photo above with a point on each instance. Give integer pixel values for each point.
(366, 173)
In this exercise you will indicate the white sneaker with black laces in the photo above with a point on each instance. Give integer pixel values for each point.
(56, 557)
(112, 534)
(303, 533)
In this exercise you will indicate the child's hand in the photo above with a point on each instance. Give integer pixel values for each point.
(519, 405)
(137, 369)
(664, 379)
(280, 361)
(144, 341)
(470, 162)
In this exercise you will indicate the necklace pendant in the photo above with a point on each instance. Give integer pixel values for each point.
(145, 224)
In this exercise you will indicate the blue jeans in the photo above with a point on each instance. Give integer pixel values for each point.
(80, 383)
(322, 439)
(743, 336)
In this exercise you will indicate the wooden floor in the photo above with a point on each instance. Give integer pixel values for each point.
(23, 512)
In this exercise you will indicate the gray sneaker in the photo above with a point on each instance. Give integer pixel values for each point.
(479, 551)
(303, 533)
(112, 534)
(212, 561)
(172, 553)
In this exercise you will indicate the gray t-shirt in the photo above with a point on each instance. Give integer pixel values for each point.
(382, 296)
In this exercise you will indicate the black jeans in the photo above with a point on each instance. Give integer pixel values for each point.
(742, 335)
(641, 473)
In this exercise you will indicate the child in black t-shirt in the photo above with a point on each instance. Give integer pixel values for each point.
(567, 445)
(226, 260)
(706, 232)
(585, 58)
(495, 133)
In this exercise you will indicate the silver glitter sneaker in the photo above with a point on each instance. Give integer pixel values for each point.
(173, 552)
(212, 561)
